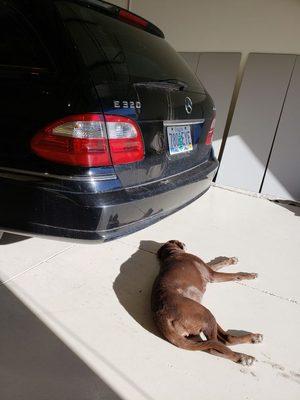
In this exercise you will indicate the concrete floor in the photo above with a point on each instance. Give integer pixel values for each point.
(75, 321)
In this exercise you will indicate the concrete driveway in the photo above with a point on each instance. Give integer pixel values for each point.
(75, 322)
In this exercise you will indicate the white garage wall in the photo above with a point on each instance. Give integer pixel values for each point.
(245, 26)
(283, 173)
(261, 97)
(120, 3)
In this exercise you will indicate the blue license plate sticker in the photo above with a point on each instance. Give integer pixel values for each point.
(179, 139)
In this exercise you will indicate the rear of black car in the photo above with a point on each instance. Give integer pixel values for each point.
(105, 129)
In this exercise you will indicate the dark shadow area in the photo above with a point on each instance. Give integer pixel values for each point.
(10, 238)
(293, 206)
(35, 364)
(134, 283)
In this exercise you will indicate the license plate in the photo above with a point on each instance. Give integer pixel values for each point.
(180, 139)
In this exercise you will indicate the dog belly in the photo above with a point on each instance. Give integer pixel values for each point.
(193, 293)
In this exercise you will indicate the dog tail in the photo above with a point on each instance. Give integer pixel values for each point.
(183, 342)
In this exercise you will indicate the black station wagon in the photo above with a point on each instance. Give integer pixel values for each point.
(104, 128)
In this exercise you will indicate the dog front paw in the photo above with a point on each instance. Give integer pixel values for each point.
(246, 275)
(257, 338)
(246, 360)
(233, 260)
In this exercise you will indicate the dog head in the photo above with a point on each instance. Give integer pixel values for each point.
(170, 247)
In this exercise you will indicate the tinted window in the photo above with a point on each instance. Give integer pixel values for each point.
(19, 45)
(116, 51)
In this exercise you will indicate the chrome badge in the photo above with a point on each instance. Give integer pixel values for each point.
(188, 105)
(127, 104)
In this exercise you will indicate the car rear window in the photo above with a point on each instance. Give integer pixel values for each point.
(115, 51)
(19, 44)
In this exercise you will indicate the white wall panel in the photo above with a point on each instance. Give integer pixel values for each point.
(256, 115)
(218, 72)
(283, 175)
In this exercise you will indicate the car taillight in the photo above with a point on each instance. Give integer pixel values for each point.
(87, 140)
(125, 139)
(210, 134)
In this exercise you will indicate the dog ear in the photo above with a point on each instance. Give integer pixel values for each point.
(161, 251)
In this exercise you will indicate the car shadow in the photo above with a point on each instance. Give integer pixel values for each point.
(134, 283)
(10, 238)
(293, 206)
(36, 364)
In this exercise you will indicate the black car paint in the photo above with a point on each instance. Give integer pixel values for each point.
(43, 198)
(88, 213)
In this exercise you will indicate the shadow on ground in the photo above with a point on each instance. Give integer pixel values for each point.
(293, 206)
(10, 238)
(134, 283)
(36, 364)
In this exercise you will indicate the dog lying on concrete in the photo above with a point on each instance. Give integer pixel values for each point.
(176, 303)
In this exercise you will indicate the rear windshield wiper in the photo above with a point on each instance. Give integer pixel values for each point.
(171, 84)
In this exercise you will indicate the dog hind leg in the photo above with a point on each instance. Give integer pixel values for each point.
(230, 339)
(215, 348)
(178, 335)
(212, 334)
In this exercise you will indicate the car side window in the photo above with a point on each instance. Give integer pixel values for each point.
(19, 45)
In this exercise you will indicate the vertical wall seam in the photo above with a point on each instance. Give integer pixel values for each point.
(198, 62)
(234, 99)
(277, 126)
(128, 5)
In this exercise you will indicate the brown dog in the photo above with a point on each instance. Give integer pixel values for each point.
(176, 303)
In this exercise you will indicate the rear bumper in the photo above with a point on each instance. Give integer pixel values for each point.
(86, 212)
